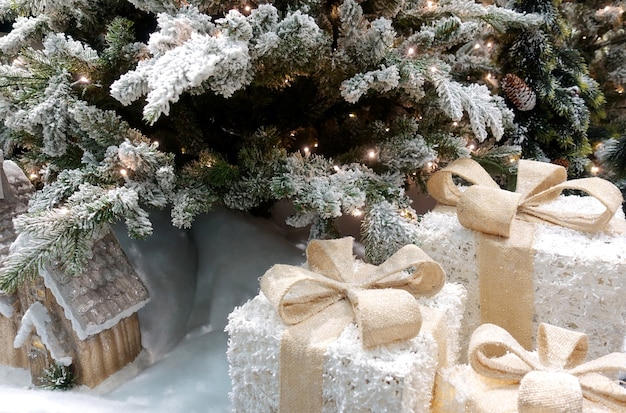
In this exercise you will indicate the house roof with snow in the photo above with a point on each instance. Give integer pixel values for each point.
(108, 290)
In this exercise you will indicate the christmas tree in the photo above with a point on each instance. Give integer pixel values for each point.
(598, 33)
(548, 82)
(117, 107)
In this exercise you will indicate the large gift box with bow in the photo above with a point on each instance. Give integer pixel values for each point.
(533, 254)
(339, 335)
(504, 377)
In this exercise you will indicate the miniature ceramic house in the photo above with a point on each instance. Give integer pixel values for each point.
(88, 321)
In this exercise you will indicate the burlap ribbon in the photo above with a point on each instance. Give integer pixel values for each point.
(555, 378)
(503, 221)
(319, 302)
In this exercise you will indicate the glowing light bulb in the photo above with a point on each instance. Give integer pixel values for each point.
(84, 80)
(123, 172)
(247, 8)
(156, 144)
(488, 76)
(476, 46)
(33, 176)
(315, 145)
(306, 149)
(352, 115)
(371, 154)
(410, 51)
(595, 169)
(471, 146)
(619, 89)
(357, 212)
(430, 4)
(336, 168)
(489, 45)
(387, 129)
(455, 123)
(433, 69)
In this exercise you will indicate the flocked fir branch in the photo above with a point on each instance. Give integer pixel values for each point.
(121, 106)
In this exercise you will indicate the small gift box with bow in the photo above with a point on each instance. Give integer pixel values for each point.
(502, 376)
(339, 335)
(533, 254)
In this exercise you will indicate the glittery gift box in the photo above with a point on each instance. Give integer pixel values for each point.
(397, 378)
(578, 278)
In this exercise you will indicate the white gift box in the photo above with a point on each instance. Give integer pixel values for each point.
(394, 378)
(579, 278)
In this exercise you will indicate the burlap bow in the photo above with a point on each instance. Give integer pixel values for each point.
(486, 208)
(555, 379)
(319, 302)
(505, 232)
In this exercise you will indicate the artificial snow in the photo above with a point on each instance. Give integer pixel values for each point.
(195, 279)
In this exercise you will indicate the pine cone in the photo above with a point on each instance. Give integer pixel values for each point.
(519, 92)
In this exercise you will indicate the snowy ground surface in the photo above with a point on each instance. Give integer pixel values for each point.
(195, 279)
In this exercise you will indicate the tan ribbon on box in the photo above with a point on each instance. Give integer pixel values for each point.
(555, 379)
(504, 237)
(317, 304)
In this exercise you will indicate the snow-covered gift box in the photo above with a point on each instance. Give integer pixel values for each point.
(502, 376)
(300, 349)
(534, 254)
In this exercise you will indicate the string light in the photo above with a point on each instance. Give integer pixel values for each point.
(410, 51)
(315, 145)
(306, 150)
(356, 212)
(371, 154)
(430, 4)
(247, 8)
(387, 129)
(455, 123)
(595, 169)
(352, 115)
(84, 80)
(476, 46)
(489, 45)
(433, 69)
(471, 146)
(619, 89)
(156, 144)
(336, 168)
(33, 176)
(123, 172)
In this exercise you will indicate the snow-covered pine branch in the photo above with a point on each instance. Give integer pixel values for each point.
(483, 111)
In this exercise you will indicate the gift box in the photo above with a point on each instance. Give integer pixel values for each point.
(356, 372)
(502, 376)
(576, 274)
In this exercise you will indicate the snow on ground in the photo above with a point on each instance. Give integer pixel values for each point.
(195, 279)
